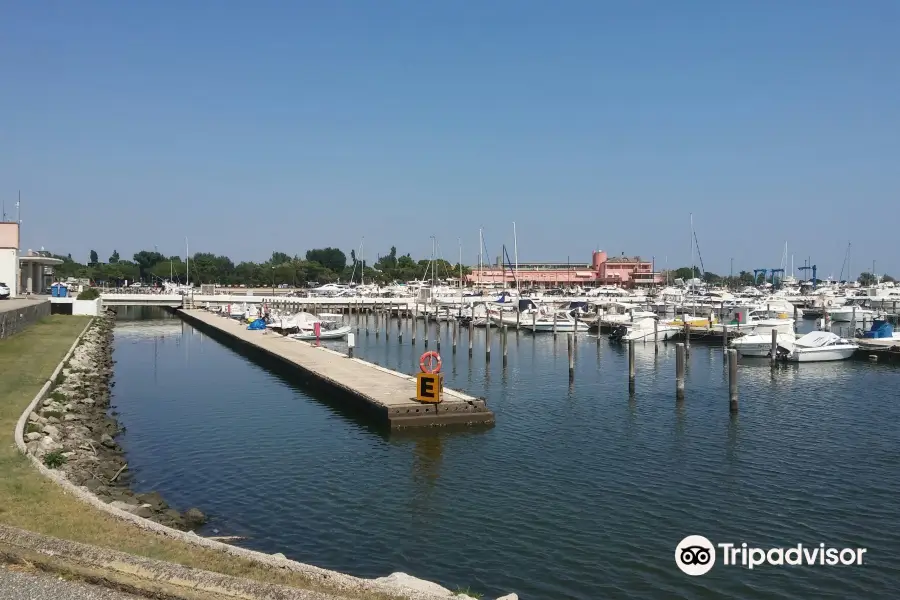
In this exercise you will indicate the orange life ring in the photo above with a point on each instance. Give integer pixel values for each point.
(430, 362)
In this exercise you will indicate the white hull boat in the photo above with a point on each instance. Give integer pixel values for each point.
(760, 345)
(564, 324)
(664, 332)
(324, 334)
(820, 346)
(642, 330)
(845, 314)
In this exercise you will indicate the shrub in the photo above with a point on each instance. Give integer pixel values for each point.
(89, 294)
(54, 460)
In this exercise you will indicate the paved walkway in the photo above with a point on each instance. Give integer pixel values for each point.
(16, 584)
(17, 303)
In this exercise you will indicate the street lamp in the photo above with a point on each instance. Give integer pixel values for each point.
(273, 280)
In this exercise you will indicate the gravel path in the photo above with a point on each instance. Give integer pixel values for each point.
(18, 585)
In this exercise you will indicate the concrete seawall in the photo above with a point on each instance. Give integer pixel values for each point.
(17, 314)
(384, 394)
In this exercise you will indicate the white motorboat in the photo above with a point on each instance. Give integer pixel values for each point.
(329, 330)
(819, 346)
(846, 313)
(563, 323)
(760, 344)
(757, 321)
(642, 330)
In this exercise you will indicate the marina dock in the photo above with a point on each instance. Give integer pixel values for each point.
(387, 394)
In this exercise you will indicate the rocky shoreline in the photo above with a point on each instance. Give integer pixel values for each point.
(74, 432)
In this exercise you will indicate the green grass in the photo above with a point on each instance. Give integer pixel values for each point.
(29, 501)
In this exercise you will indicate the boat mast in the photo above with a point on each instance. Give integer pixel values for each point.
(691, 288)
(362, 253)
(516, 255)
(480, 250)
(187, 262)
(433, 240)
(459, 242)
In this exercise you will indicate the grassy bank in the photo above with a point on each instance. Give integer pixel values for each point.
(29, 501)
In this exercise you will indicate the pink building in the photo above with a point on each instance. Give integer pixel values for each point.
(618, 270)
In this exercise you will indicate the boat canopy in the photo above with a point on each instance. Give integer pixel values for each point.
(257, 324)
(880, 329)
(817, 339)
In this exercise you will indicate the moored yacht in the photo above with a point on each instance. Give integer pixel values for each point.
(849, 311)
(643, 330)
(759, 345)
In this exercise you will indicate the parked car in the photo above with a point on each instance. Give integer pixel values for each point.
(4, 291)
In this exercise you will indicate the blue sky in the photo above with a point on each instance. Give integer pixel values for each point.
(249, 127)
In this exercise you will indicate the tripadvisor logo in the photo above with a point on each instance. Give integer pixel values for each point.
(696, 555)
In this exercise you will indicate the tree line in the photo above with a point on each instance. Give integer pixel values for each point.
(316, 266)
(745, 278)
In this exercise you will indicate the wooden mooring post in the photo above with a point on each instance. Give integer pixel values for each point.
(437, 332)
(455, 334)
(655, 336)
(415, 326)
(679, 371)
(570, 345)
(503, 341)
(631, 366)
(487, 338)
(687, 336)
(774, 351)
(732, 381)
(471, 336)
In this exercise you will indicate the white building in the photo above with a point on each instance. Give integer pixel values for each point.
(30, 273)
(9, 256)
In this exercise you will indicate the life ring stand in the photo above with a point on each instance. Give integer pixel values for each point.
(430, 362)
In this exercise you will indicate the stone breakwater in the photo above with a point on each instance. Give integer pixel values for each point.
(74, 432)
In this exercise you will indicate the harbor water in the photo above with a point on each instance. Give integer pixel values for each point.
(580, 491)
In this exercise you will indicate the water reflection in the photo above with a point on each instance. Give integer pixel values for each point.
(580, 484)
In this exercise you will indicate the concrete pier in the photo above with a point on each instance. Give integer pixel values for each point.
(387, 394)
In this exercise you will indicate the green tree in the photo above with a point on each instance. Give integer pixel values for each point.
(94, 258)
(745, 278)
(172, 268)
(145, 260)
(866, 278)
(114, 258)
(279, 258)
(888, 279)
(686, 273)
(330, 258)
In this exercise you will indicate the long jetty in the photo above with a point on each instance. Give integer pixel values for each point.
(388, 395)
